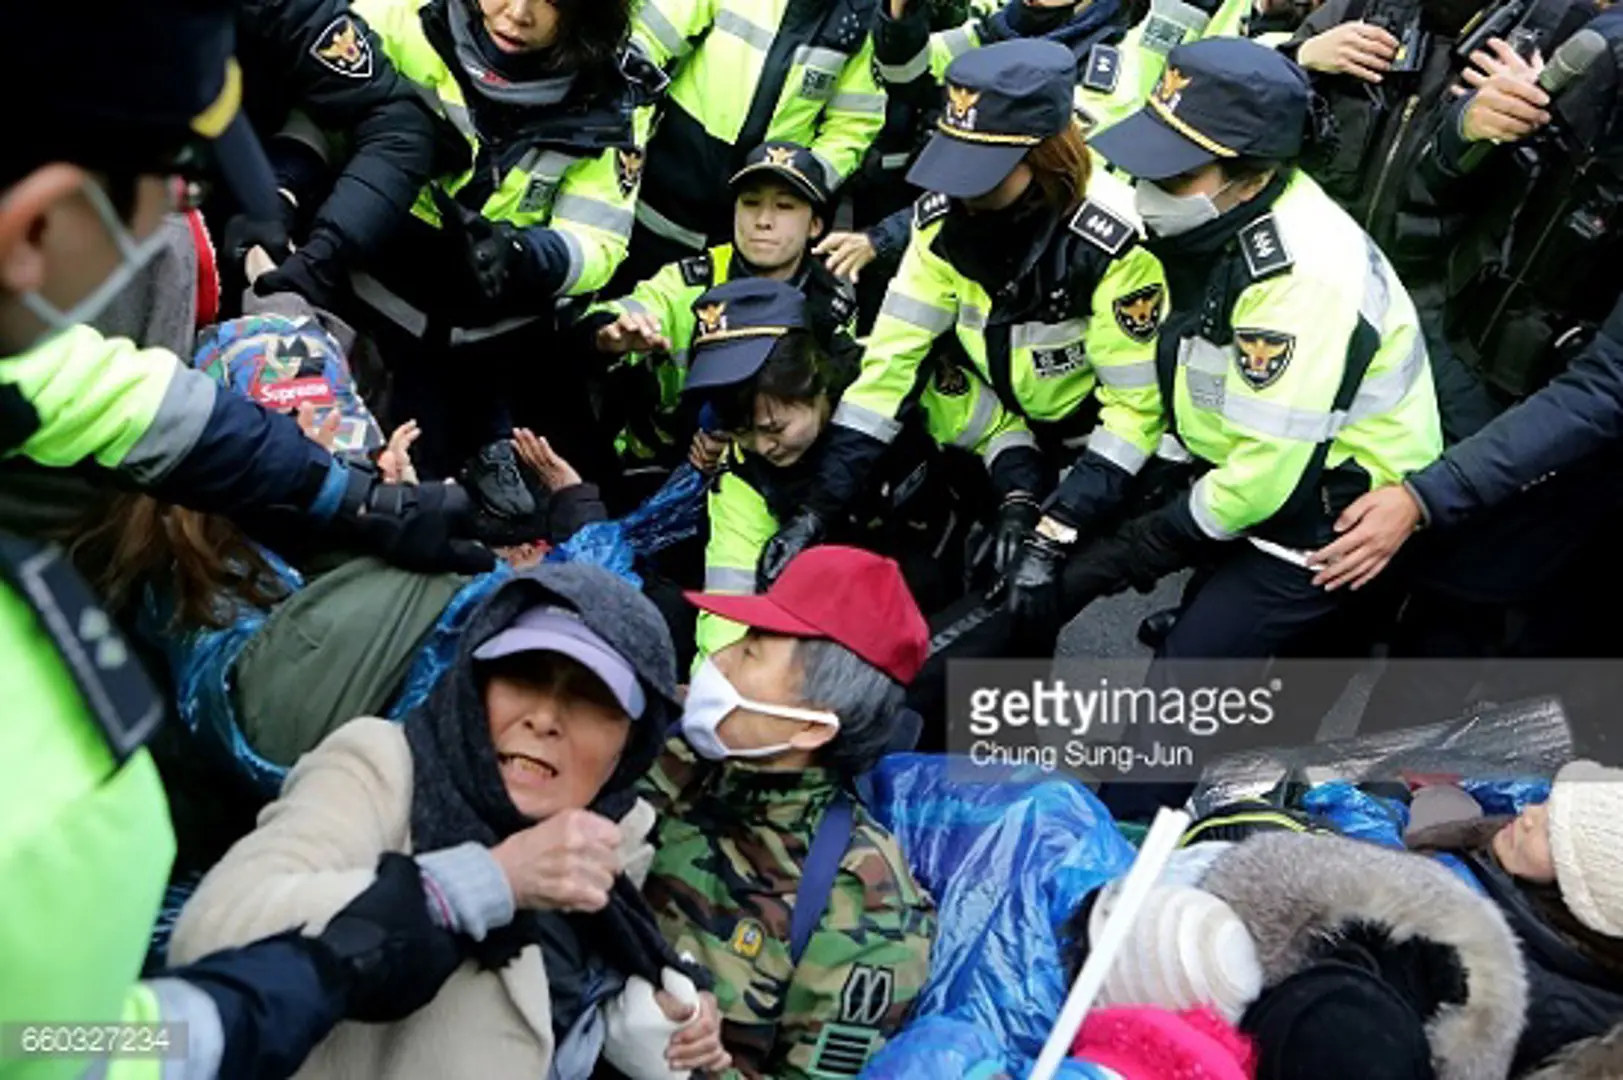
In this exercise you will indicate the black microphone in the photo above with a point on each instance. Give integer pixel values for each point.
(1571, 60)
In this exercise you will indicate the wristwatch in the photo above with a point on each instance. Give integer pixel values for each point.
(1053, 529)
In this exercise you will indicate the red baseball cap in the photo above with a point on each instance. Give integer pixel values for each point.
(843, 594)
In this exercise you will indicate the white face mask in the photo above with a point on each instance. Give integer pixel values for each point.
(134, 255)
(711, 699)
(1172, 215)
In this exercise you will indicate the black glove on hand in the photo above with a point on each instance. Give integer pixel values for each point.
(1033, 581)
(421, 527)
(1016, 518)
(499, 267)
(242, 233)
(312, 271)
(804, 530)
(388, 947)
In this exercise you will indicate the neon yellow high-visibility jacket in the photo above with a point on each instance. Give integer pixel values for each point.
(568, 172)
(1321, 301)
(1078, 330)
(744, 72)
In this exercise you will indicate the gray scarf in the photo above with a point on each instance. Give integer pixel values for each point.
(492, 83)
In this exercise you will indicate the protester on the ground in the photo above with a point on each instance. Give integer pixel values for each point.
(768, 868)
(1032, 261)
(757, 361)
(512, 785)
(743, 72)
(554, 107)
(350, 142)
(1404, 957)
(84, 832)
(780, 209)
(1553, 871)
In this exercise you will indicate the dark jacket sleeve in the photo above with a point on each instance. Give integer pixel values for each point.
(1575, 416)
(391, 131)
(889, 237)
(1330, 14)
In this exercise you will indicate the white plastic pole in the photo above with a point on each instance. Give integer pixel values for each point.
(1159, 844)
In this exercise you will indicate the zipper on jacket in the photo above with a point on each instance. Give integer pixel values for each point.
(1391, 157)
(1520, 279)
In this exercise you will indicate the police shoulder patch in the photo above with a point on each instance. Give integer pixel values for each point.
(343, 46)
(1264, 249)
(931, 207)
(1104, 69)
(628, 170)
(1262, 355)
(698, 270)
(1102, 227)
(1139, 312)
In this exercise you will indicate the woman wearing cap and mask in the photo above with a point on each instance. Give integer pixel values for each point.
(512, 787)
(759, 363)
(551, 108)
(1298, 373)
(1032, 261)
(768, 871)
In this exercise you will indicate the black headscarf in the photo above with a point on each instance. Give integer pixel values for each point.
(458, 794)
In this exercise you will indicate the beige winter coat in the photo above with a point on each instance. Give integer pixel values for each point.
(344, 804)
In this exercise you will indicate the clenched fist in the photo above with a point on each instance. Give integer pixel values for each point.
(565, 863)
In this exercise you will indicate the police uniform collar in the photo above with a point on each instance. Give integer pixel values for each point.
(1218, 234)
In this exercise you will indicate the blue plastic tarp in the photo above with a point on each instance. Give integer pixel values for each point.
(1009, 856)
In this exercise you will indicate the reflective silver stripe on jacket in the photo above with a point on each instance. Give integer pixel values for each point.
(1127, 376)
(1117, 450)
(898, 74)
(660, 225)
(577, 261)
(981, 416)
(957, 41)
(971, 317)
(662, 29)
(1037, 335)
(729, 579)
(858, 103)
(818, 57)
(182, 415)
(831, 175)
(593, 213)
(1009, 440)
(1203, 515)
(917, 313)
(757, 37)
(866, 421)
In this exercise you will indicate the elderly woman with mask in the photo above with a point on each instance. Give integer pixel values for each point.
(768, 871)
(512, 785)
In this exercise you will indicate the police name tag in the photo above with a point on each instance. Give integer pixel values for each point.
(1104, 69)
(817, 85)
(537, 195)
(1052, 363)
(1161, 34)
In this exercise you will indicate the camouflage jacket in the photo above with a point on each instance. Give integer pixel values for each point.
(730, 843)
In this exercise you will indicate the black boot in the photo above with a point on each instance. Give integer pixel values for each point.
(1157, 626)
(497, 484)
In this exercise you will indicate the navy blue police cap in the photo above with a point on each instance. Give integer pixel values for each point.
(1218, 98)
(790, 163)
(134, 88)
(737, 325)
(1002, 100)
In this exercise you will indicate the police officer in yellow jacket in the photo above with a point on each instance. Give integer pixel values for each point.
(773, 388)
(552, 107)
(1033, 262)
(780, 208)
(85, 837)
(743, 72)
(1295, 373)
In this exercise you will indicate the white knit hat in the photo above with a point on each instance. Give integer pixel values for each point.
(1586, 840)
(1187, 948)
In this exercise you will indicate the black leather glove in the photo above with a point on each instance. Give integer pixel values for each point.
(422, 527)
(313, 272)
(804, 530)
(387, 947)
(243, 233)
(1016, 518)
(499, 268)
(1032, 583)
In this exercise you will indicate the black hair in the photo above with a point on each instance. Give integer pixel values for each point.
(797, 369)
(591, 34)
(1249, 167)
